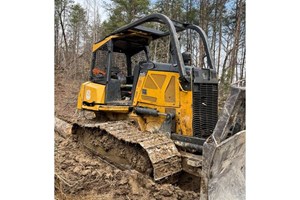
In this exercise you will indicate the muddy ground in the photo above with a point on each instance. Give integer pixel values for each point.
(81, 175)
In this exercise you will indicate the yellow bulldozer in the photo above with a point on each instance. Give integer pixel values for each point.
(162, 119)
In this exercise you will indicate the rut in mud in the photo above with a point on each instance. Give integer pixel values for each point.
(81, 175)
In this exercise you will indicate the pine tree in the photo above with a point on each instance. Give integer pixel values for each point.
(123, 12)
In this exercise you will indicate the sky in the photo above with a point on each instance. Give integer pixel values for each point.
(103, 13)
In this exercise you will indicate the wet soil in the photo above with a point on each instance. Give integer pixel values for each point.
(81, 175)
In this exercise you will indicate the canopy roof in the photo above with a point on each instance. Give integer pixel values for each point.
(132, 39)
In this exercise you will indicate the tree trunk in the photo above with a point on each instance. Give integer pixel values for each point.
(63, 31)
(224, 66)
(220, 19)
(204, 16)
(63, 128)
(243, 64)
(56, 31)
(214, 29)
(233, 61)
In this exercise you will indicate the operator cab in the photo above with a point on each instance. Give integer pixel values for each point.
(122, 56)
(117, 61)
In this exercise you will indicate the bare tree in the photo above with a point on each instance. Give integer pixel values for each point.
(233, 61)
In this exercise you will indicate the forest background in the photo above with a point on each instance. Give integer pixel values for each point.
(79, 24)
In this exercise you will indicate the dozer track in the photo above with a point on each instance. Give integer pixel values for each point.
(160, 150)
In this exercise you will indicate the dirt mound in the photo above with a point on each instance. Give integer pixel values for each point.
(80, 175)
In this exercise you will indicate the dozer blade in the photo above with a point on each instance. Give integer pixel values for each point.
(223, 172)
(227, 171)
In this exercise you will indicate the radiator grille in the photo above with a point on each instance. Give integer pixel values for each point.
(205, 109)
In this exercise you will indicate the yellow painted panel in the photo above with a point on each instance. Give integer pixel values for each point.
(107, 108)
(170, 91)
(116, 109)
(184, 116)
(153, 124)
(182, 101)
(102, 42)
(139, 84)
(150, 83)
(150, 123)
(94, 108)
(80, 95)
(91, 92)
(147, 98)
(159, 79)
(94, 92)
(138, 90)
(160, 90)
